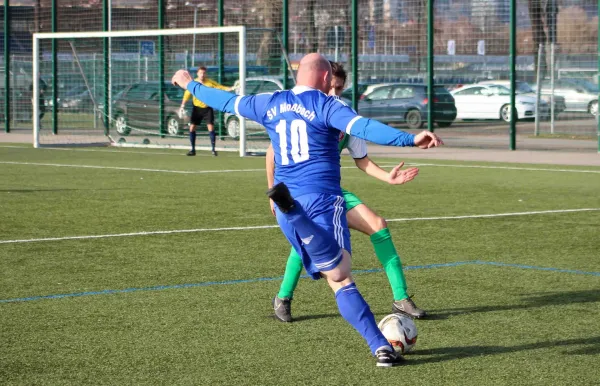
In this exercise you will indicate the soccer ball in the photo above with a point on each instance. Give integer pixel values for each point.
(400, 331)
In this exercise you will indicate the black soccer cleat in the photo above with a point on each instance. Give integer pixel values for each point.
(191, 152)
(280, 194)
(408, 307)
(214, 153)
(283, 309)
(387, 357)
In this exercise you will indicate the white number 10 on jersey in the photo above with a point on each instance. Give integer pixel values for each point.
(298, 140)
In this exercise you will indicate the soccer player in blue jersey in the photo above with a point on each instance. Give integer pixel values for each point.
(304, 125)
(360, 217)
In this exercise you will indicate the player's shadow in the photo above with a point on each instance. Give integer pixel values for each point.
(528, 302)
(303, 318)
(592, 347)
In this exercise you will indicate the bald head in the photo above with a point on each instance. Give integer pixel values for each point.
(314, 71)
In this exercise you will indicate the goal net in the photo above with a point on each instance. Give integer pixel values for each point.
(113, 88)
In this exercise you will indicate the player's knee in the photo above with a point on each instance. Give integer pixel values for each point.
(378, 223)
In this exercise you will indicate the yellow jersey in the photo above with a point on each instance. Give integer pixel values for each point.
(207, 82)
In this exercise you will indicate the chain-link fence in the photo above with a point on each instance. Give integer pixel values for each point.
(556, 57)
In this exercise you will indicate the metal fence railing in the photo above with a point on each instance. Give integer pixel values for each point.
(548, 48)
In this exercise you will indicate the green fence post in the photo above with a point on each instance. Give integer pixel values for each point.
(221, 60)
(430, 70)
(6, 68)
(285, 41)
(354, 54)
(598, 109)
(513, 61)
(53, 26)
(105, 59)
(161, 68)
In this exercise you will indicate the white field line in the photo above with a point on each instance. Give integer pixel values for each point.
(276, 226)
(145, 170)
(173, 153)
(497, 167)
(262, 170)
(135, 169)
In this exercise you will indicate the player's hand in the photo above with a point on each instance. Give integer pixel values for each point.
(426, 139)
(181, 79)
(272, 206)
(181, 112)
(399, 177)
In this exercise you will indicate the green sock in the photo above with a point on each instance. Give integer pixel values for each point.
(293, 269)
(387, 255)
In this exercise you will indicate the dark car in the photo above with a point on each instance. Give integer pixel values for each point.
(138, 107)
(407, 103)
(79, 98)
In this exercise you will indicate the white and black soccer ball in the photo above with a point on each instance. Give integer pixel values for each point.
(400, 331)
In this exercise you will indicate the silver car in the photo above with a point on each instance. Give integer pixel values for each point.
(254, 85)
(580, 95)
(524, 88)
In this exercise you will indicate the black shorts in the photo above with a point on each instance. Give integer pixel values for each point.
(200, 114)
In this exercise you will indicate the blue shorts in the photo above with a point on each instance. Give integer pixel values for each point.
(329, 212)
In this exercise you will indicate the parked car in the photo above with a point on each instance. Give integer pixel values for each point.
(523, 88)
(79, 98)
(580, 94)
(254, 85)
(138, 107)
(407, 103)
(483, 101)
(363, 90)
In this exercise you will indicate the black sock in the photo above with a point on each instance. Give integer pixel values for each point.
(213, 137)
(193, 140)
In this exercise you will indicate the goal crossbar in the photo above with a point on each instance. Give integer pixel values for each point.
(37, 37)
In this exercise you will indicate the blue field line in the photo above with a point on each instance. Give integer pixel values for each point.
(262, 279)
(537, 268)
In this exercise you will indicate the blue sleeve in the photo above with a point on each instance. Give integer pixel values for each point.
(340, 116)
(253, 107)
(217, 99)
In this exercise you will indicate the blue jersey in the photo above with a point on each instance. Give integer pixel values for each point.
(304, 126)
(305, 145)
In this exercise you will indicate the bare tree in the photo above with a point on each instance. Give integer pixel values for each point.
(268, 50)
(536, 15)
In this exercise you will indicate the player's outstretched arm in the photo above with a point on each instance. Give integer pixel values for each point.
(250, 106)
(217, 99)
(343, 118)
(397, 176)
(377, 132)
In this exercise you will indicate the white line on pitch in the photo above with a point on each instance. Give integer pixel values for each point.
(143, 169)
(134, 169)
(498, 167)
(276, 226)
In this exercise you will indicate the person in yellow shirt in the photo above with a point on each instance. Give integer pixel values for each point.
(201, 111)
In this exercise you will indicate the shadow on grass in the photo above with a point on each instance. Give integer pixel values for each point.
(528, 301)
(451, 353)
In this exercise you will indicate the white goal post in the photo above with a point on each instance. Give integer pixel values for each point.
(140, 60)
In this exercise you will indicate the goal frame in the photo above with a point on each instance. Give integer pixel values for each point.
(240, 30)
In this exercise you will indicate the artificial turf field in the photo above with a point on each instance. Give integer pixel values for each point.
(175, 286)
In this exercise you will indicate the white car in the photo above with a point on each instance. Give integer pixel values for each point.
(489, 101)
(254, 85)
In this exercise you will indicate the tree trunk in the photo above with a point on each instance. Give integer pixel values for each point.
(536, 15)
(269, 53)
(312, 32)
